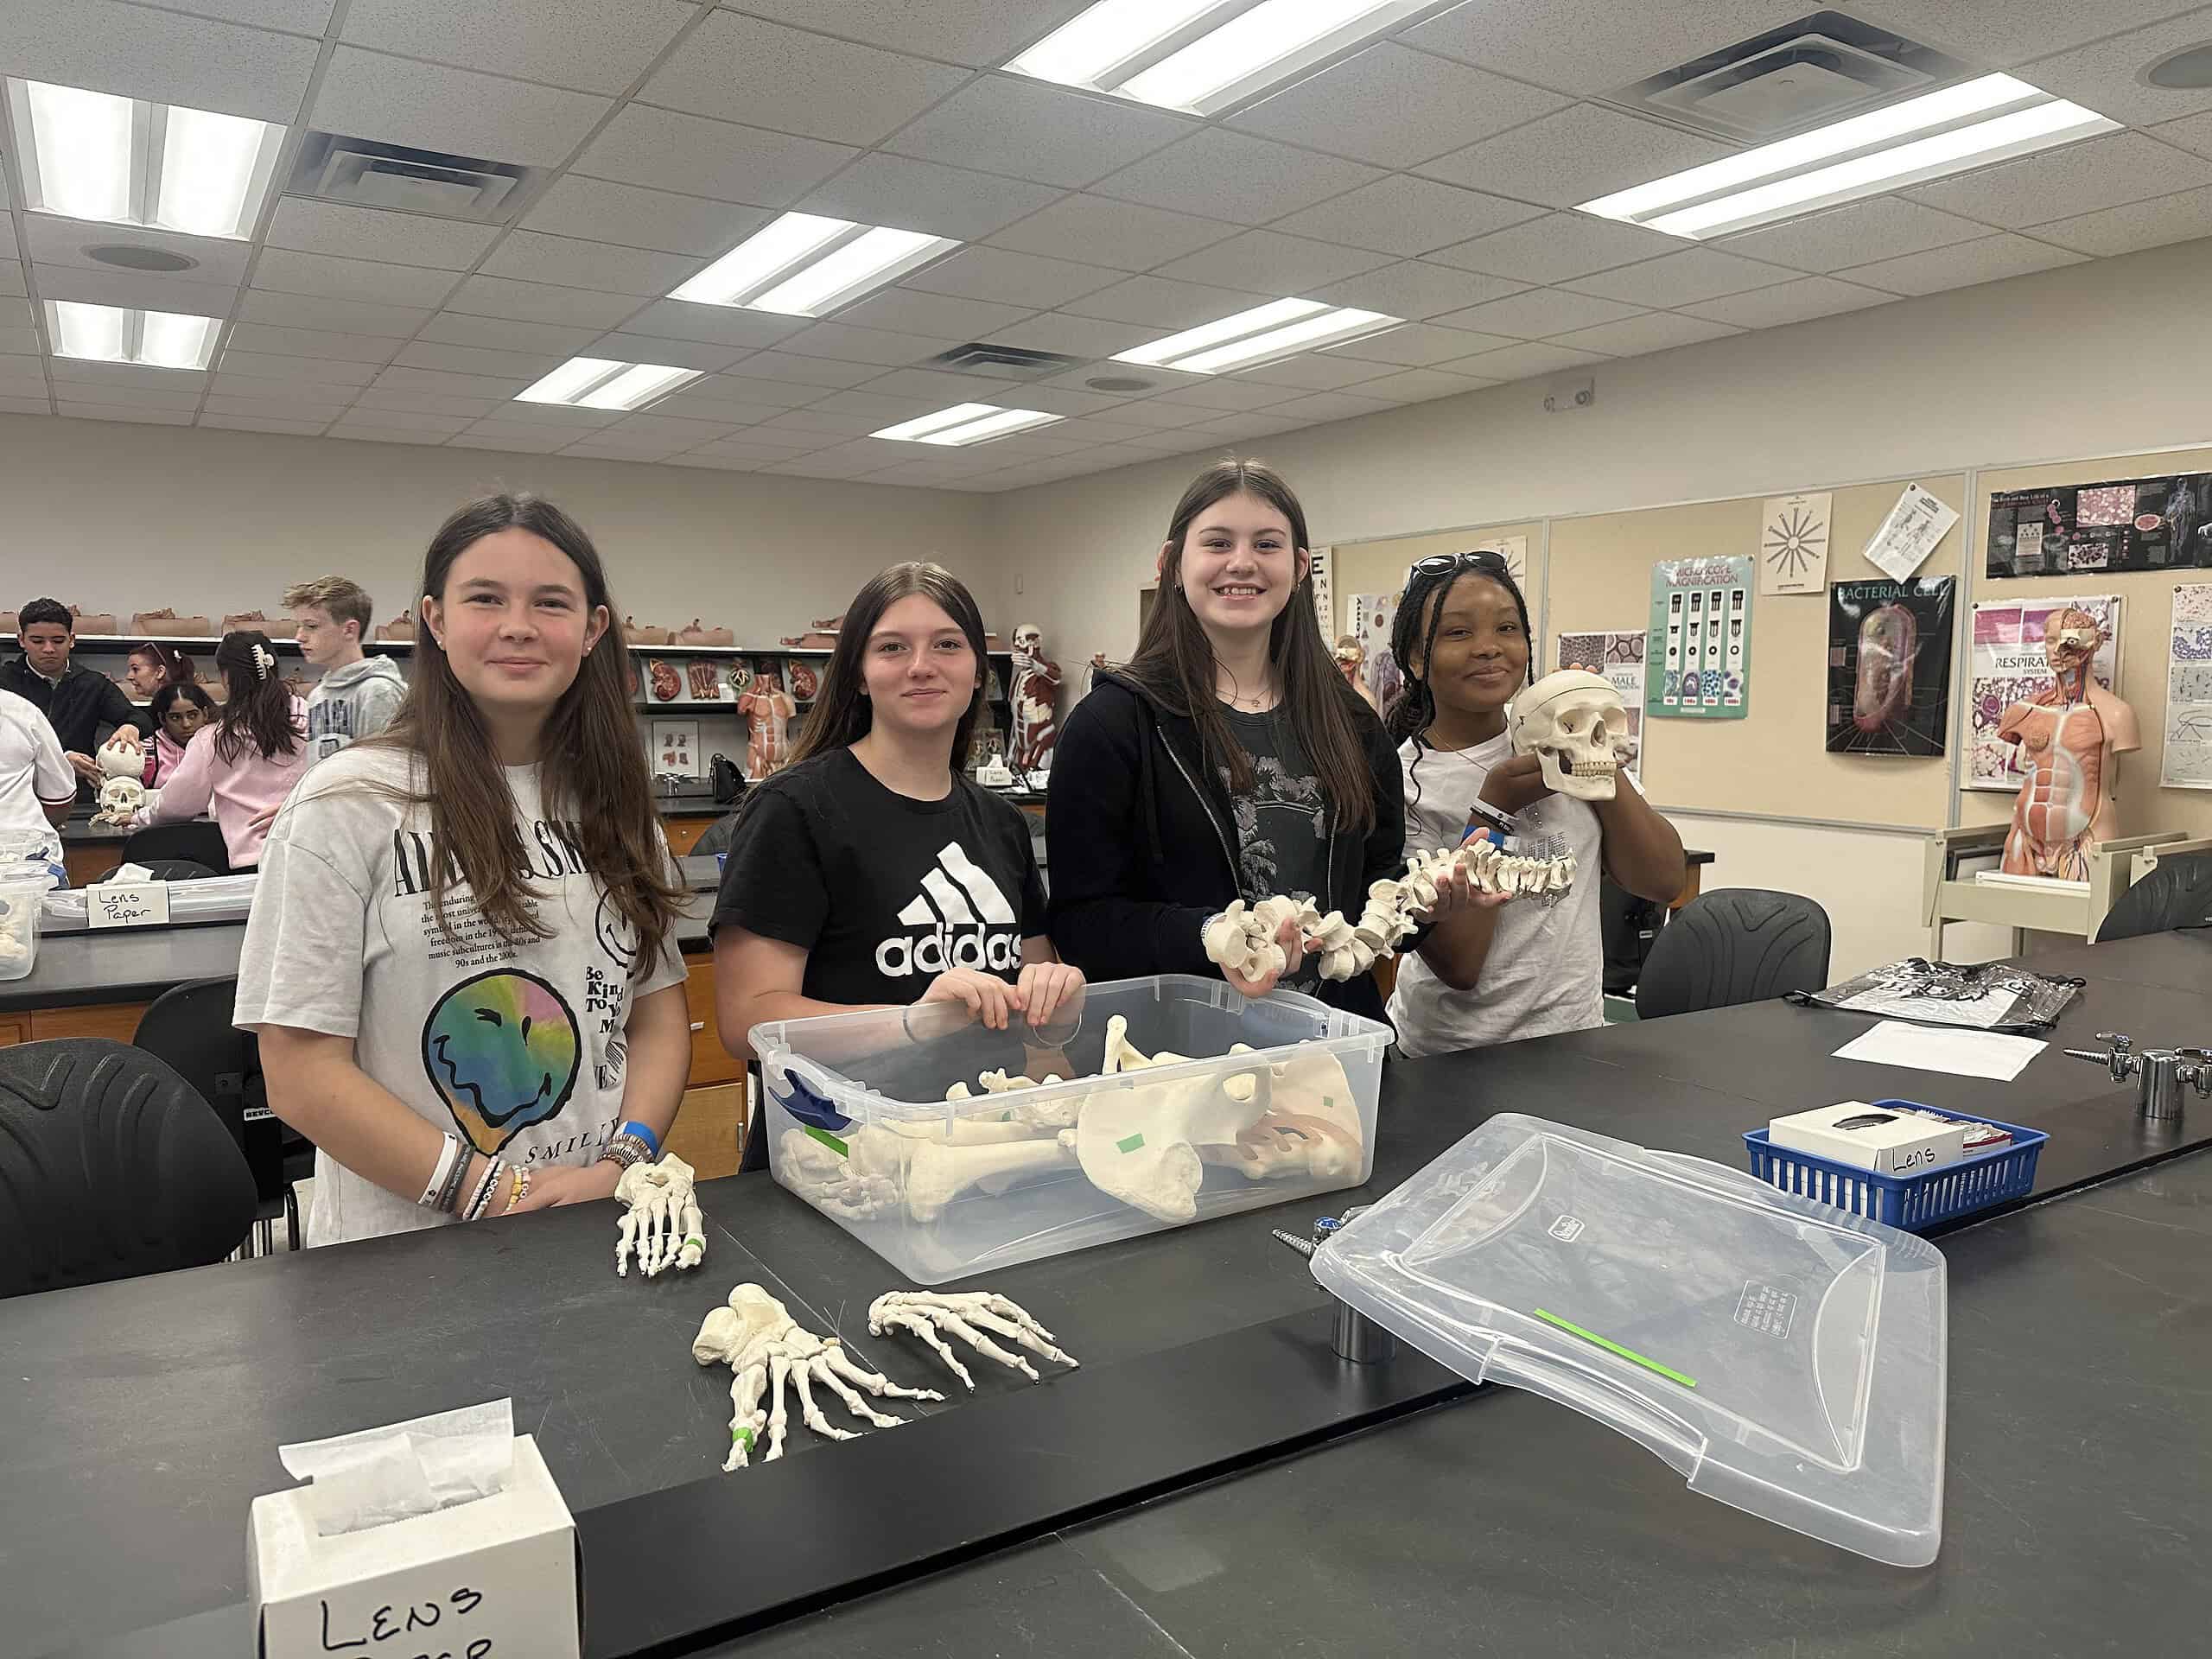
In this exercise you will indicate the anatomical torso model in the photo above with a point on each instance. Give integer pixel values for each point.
(768, 709)
(1036, 700)
(2068, 737)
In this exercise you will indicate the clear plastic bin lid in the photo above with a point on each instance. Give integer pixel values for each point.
(1787, 1357)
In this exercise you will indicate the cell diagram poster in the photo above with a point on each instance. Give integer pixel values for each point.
(1890, 667)
(1698, 647)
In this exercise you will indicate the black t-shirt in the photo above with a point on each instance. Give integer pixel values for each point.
(1282, 820)
(884, 893)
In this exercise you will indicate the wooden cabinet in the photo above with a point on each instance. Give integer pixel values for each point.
(13, 1032)
(684, 833)
(115, 1020)
(710, 1063)
(88, 860)
(708, 1133)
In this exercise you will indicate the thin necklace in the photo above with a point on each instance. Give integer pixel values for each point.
(1254, 704)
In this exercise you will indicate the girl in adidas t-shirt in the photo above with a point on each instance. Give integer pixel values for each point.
(869, 873)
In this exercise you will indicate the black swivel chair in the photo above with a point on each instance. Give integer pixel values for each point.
(111, 1166)
(200, 842)
(716, 837)
(2179, 894)
(171, 870)
(189, 1027)
(1738, 944)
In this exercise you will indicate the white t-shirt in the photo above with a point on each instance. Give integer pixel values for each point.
(519, 1046)
(33, 769)
(1545, 972)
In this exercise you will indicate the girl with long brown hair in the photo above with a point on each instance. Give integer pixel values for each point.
(237, 767)
(461, 959)
(1228, 760)
(869, 873)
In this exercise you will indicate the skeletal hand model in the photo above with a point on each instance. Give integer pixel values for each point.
(968, 1315)
(764, 1346)
(662, 1221)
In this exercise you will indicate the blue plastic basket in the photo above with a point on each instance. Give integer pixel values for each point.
(1912, 1202)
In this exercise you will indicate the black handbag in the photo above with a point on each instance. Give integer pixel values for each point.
(728, 782)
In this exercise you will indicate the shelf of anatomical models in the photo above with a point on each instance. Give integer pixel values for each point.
(2077, 909)
(96, 642)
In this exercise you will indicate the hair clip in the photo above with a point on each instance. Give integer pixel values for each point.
(263, 660)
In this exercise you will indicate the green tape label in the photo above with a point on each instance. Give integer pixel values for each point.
(1611, 1347)
(1130, 1145)
(829, 1140)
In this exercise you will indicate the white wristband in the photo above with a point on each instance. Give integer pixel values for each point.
(446, 1155)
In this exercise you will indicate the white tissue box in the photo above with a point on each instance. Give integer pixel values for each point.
(1894, 1143)
(503, 1569)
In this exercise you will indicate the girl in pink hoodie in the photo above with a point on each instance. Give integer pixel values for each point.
(238, 769)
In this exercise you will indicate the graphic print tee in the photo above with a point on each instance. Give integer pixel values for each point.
(883, 893)
(518, 1046)
(1282, 821)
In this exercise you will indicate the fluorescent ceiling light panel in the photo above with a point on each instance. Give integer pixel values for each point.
(602, 383)
(125, 161)
(1202, 56)
(109, 334)
(1993, 118)
(965, 424)
(805, 265)
(1280, 329)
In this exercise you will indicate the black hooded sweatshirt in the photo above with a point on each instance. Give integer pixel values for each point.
(1143, 842)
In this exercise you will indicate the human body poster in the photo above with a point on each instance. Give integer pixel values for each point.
(1700, 640)
(2141, 524)
(1890, 667)
(1620, 657)
(2009, 667)
(2189, 691)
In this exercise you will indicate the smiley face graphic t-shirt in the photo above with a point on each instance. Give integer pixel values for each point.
(516, 1046)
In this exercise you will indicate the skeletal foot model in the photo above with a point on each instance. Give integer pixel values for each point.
(765, 1348)
(973, 1316)
(661, 1221)
(1243, 939)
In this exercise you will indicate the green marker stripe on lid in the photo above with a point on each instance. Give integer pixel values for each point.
(829, 1140)
(1611, 1347)
(1131, 1144)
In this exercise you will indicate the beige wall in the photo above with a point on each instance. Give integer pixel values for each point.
(114, 516)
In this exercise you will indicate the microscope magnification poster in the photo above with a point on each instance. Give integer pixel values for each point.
(1698, 648)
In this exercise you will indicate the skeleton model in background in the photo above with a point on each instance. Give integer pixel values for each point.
(1036, 692)
(1575, 724)
(123, 794)
(767, 709)
(661, 1219)
(975, 1317)
(1351, 663)
(2068, 735)
(765, 1348)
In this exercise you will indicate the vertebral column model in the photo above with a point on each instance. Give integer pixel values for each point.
(2068, 737)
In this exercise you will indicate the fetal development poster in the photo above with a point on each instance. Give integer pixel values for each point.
(1890, 667)
(2009, 667)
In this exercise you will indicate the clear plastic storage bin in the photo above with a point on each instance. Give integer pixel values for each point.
(858, 1124)
(21, 895)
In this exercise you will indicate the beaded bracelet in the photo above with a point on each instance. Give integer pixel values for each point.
(483, 1193)
(521, 1187)
(645, 1133)
(626, 1149)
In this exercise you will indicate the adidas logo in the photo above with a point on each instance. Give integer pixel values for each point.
(971, 924)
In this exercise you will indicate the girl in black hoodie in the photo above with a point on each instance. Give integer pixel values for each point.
(1227, 760)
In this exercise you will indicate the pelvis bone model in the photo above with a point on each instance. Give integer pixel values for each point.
(1575, 724)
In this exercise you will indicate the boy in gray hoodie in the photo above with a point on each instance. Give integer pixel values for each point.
(358, 695)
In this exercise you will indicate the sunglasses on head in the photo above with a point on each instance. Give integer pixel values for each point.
(1443, 564)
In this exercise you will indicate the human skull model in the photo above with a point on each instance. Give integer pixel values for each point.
(1029, 641)
(120, 800)
(1576, 726)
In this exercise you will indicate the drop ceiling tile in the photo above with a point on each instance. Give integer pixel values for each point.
(1161, 303)
(2108, 75)
(135, 52)
(475, 359)
(433, 107)
(1155, 416)
(16, 314)
(1556, 248)
(653, 424)
(438, 425)
(828, 373)
(504, 334)
(627, 347)
(322, 370)
(1807, 297)
(1656, 331)
(1227, 392)
(1593, 45)
(1005, 277)
(2192, 133)
(1123, 235)
(513, 411)
(716, 463)
(601, 46)
(246, 400)
(1330, 406)
(1405, 215)
(851, 345)
(1887, 227)
(1229, 175)
(884, 410)
(51, 241)
(365, 433)
(1434, 103)
(2179, 218)
(11, 277)
(744, 387)
(1574, 157)
(123, 374)
(599, 210)
(1420, 385)
(402, 378)
(884, 189)
(1058, 331)
(263, 423)
(137, 417)
(336, 316)
(1415, 288)
(2000, 33)
(296, 17)
(1991, 259)
(692, 405)
(1682, 278)
(156, 291)
(313, 226)
(1316, 371)
(642, 451)
(2083, 178)
(72, 386)
(735, 67)
(667, 150)
(849, 467)
(310, 342)
(1521, 362)
(937, 317)
(421, 403)
(326, 277)
(515, 440)
(813, 420)
(532, 255)
(576, 308)
(1070, 401)
(1152, 445)
(1031, 129)
(1417, 346)
(714, 325)
(1265, 261)
(1539, 313)
(1091, 430)
(766, 446)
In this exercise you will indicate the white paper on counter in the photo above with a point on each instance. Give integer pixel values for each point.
(375, 1475)
(1962, 1053)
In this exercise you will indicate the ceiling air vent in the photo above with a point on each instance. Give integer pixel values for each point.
(1823, 68)
(366, 173)
(1004, 362)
